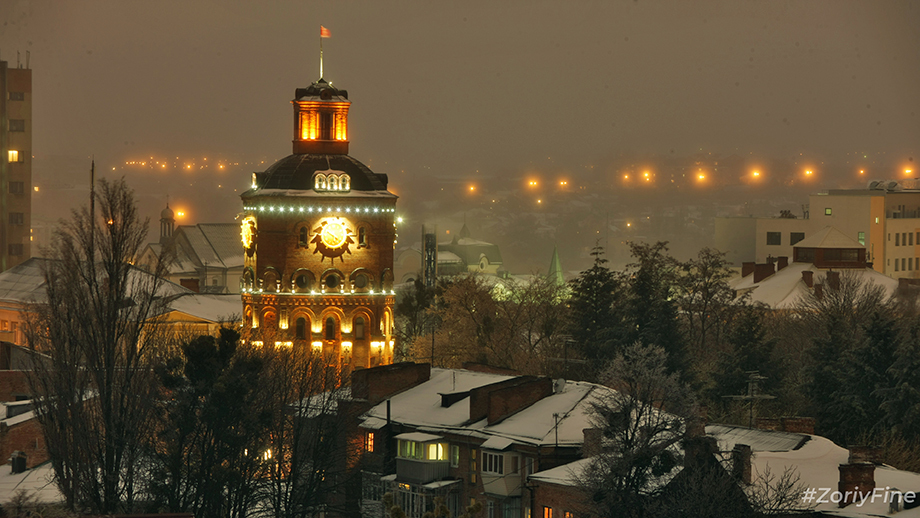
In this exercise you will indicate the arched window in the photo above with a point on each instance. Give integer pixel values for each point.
(362, 237)
(359, 328)
(332, 182)
(300, 329)
(330, 328)
(320, 182)
(303, 236)
(345, 182)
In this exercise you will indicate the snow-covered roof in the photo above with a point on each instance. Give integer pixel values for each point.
(208, 307)
(816, 462)
(785, 289)
(420, 407)
(828, 237)
(37, 482)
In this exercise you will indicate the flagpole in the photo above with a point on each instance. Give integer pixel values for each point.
(320, 53)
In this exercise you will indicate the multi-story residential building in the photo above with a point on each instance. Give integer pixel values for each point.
(884, 218)
(15, 165)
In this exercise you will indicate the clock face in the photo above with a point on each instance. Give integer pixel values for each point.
(332, 238)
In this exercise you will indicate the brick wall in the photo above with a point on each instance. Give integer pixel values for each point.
(25, 436)
(12, 384)
(379, 383)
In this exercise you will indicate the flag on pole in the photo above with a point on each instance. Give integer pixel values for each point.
(324, 32)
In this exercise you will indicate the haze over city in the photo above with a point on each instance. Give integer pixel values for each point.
(539, 123)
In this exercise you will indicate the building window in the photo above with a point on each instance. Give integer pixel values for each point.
(774, 238)
(362, 237)
(300, 328)
(330, 328)
(515, 463)
(17, 125)
(904, 239)
(492, 463)
(491, 509)
(861, 237)
(14, 156)
(454, 456)
(17, 96)
(795, 237)
(15, 249)
(903, 264)
(303, 237)
(910, 239)
(567, 514)
(827, 211)
(547, 512)
(897, 239)
(916, 263)
(895, 265)
(17, 187)
(359, 328)
(370, 441)
(16, 218)
(910, 264)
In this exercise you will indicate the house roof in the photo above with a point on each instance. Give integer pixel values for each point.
(828, 237)
(816, 463)
(38, 481)
(785, 289)
(25, 282)
(296, 172)
(208, 307)
(420, 407)
(217, 244)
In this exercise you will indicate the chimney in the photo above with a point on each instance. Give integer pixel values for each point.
(762, 271)
(741, 463)
(378, 383)
(782, 262)
(747, 268)
(699, 451)
(499, 400)
(833, 280)
(856, 481)
(819, 291)
(809, 277)
(865, 454)
(593, 442)
(799, 425)
(769, 423)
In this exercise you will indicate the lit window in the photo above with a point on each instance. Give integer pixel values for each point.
(370, 441)
(14, 155)
(861, 237)
(320, 182)
(547, 512)
(827, 211)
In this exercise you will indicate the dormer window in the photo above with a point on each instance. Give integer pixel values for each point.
(332, 182)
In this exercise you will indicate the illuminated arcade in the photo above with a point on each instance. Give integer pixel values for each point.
(318, 230)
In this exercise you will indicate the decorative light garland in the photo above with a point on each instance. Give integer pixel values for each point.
(272, 208)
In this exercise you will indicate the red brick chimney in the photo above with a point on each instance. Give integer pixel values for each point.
(808, 277)
(782, 262)
(741, 463)
(819, 291)
(833, 280)
(378, 383)
(499, 400)
(762, 271)
(856, 481)
(747, 268)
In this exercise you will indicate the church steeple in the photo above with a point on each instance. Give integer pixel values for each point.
(167, 224)
(321, 119)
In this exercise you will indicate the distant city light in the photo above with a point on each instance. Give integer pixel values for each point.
(472, 188)
(532, 183)
(701, 177)
(756, 173)
(36, 188)
(563, 183)
(539, 201)
(862, 171)
(180, 213)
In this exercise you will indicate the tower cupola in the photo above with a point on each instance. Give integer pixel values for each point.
(321, 119)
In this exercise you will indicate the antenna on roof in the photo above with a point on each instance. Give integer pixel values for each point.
(753, 394)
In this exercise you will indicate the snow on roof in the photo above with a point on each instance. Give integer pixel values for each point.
(565, 475)
(496, 443)
(420, 407)
(828, 237)
(418, 437)
(785, 289)
(38, 481)
(24, 282)
(208, 307)
(816, 462)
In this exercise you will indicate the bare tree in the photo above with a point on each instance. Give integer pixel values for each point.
(97, 325)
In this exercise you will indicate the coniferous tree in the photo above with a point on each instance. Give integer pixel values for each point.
(591, 309)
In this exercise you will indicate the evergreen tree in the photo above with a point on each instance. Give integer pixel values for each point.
(591, 308)
(749, 349)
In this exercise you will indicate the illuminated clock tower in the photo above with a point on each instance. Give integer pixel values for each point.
(318, 231)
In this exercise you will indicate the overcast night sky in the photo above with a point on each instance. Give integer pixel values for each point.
(456, 88)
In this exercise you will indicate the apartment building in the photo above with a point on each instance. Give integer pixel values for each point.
(884, 218)
(15, 164)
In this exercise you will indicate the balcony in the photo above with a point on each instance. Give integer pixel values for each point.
(416, 471)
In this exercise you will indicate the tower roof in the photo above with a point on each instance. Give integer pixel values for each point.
(321, 91)
(298, 172)
(167, 213)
